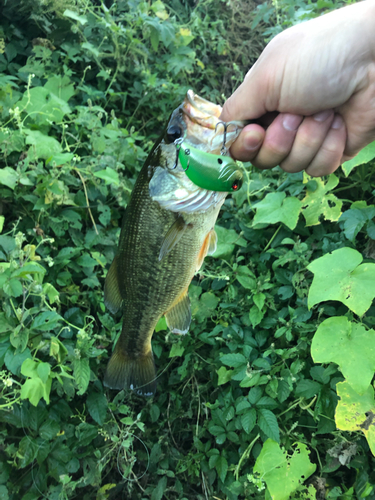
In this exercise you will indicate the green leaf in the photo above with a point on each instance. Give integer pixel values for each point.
(307, 388)
(8, 177)
(351, 346)
(161, 324)
(255, 316)
(46, 321)
(177, 350)
(226, 240)
(275, 208)
(248, 420)
(154, 413)
(13, 288)
(234, 359)
(318, 203)
(97, 405)
(42, 146)
(246, 277)
(43, 370)
(259, 299)
(221, 467)
(2, 220)
(283, 474)
(4, 494)
(73, 15)
(34, 390)
(339, 276)
(364, 156)
(224, 375)
(109, 175)
(356, 412)
(158, 491)
(81, 372)
(268, 424)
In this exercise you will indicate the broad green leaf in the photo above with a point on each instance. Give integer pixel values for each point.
(283, 474)
(222, 467)
(341, 276)
(246, 277)
(73, 15)
(97, 405)
(46, 321)
(13, 288)
(43, 107)
(61, 86)
(277, 208)
(81, 372)
(364, 156)
(2, 220)
(223, 375)
(43, 370)
(109, 175)
(234, 359)
(307, 388)
(268, 424)
(355, 412)
(42, 146)
(51, 292)
(226, 241)
(318, 203)
(4, 494)
(158, 491)
(14, 361)
(177, 350)
(351, 346)
(34, 390)
(8, 177)
(248, 420)
(255, 316)
(161, 324)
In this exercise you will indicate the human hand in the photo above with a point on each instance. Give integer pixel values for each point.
(312, 92)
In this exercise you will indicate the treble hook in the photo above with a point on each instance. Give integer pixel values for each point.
(224, 150)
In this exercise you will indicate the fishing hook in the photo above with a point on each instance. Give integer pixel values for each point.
(224, 150)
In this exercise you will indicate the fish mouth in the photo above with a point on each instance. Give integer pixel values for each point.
(203, 128)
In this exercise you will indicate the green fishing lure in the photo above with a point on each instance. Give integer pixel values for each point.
(209, 171)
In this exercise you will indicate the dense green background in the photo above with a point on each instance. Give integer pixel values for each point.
(85, 89)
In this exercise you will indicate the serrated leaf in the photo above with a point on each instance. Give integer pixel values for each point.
(234, 359)
(276, 208)
(348, 344)
(248, 420)
(307, 388)
(81, 372)
(221, 467)
(355, 412)
(318, 203)
(283, 474)
(268, 424)
(341, 276)
(97, 405)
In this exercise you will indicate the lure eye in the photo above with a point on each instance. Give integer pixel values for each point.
(220, 161)
(173, 132)
(237, 184)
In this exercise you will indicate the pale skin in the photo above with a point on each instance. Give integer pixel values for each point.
(313, 92)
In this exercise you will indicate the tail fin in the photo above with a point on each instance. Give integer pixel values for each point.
(135, 373)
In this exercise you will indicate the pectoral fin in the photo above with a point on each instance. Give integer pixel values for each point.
(213, 242)
(208, 248)
(112, 295)
(173, 236)
(179, 315)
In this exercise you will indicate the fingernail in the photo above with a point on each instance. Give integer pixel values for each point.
(292, 122)
(337, 122)
(322, 116)
(253, 142)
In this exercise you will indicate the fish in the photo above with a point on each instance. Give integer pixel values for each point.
(167, 230)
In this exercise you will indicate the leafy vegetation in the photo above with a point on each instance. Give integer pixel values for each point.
(271, 394)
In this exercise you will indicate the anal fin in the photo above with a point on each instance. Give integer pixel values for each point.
(178, 317)
(173, 236)
(112, 295)
(131, 372)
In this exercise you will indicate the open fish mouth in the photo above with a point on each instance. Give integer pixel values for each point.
(203, 128)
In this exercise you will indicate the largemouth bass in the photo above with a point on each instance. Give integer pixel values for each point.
(167, 231)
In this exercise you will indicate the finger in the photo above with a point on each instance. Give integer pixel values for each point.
(330, 154)
(278, 141)
(309, 139)
(247, 145)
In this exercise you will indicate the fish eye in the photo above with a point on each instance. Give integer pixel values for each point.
(173, 132)
(220, 161)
